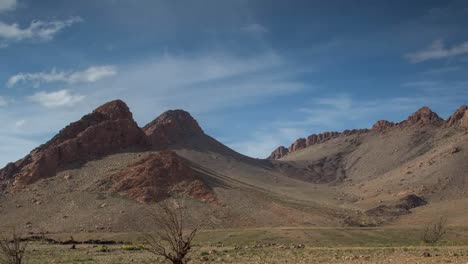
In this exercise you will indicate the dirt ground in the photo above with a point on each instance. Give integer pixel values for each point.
(268, 246)
(40, 253)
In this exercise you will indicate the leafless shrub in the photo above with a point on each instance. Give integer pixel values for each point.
(172, 240)
(12, 250)
(435, 230)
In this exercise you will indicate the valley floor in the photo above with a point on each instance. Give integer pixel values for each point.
(92, 254)
(271, 245)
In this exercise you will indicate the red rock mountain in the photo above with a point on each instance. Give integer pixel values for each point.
(459, 118)
(320, 138)
(156, 176)
(108, 129)
(278, 153)
(297, 145)
(170, 128)
(424, 116)
(382, 125)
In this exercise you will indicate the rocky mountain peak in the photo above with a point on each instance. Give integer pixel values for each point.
(459, 118)
(107, 130)
(298, 144)
(424, 116)
(171, 127)
(382, 125)
(278, 153)
(114, 110)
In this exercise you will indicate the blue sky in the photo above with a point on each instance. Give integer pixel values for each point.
(255, 73)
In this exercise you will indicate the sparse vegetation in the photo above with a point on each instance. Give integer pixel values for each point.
(13, 249)
(132, 247)
(103, 249)
(172, 240)
(435, 230)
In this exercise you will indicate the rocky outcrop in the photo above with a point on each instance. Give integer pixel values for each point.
(313, 139)
(424, 116)
(354, 132)
(382, 125)
(108, 129)
(297, 145)
(171, 127)
(320, 138)
(279, 153)
(397, 208)
(156, 177)
(459, 118)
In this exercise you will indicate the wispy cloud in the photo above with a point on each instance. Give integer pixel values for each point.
(263, 142)
(7, 5)
(56, 99)
(20, 123)
(437, 50)
(201, 83)
(3, 101)
(254, 28)
(37, 30)
(92, 74)
(443, 70)
(420, 84)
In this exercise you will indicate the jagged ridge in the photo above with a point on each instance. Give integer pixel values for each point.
(422, 117)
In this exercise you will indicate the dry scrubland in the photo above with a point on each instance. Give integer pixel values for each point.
(116, 255)
(277, 245)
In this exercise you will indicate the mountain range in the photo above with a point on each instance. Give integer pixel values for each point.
(103, 172)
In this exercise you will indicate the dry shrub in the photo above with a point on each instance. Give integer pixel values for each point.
(435, 230)
(12, 250)
(172, 240)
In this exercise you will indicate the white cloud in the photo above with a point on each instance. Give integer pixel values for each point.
(3, 102)
(20, 123)
(197, 83)
(254, 29)
(89, 75)
(437, 50)
(262, 143)
(37, 30)
(7, 5)
(56, 99)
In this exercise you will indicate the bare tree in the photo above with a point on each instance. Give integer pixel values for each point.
(12, 250)
(435, 230)
(172, 240)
